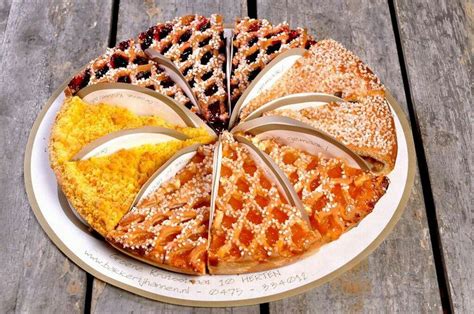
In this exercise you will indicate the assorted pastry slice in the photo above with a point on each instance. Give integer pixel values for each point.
(327, 67)
(366, 126)
(78, 123)
(254, 227)
(128, 63)
(335, 195)
(256, 43)
(169, 227)
(102, 189)
(196, 46)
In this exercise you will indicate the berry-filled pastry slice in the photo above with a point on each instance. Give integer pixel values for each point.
(169, 227)
(128, 63)
(335, 195)
(196, 46)
(256, 43)
(254, 227)
(327, 67)
(365, 126)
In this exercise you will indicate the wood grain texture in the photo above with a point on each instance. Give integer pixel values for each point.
(400, 275)
(135, 17)
(437, 41)
(42, 43)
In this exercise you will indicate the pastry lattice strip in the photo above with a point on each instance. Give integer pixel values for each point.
(335, 195)
(256, 43)
(170, 226)
(128, 63)
(196, 46)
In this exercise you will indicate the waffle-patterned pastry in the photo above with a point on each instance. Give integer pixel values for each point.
(256, 43)
(196, 46)
(365, 126)
(254, 228)
(335, 195)
(327, 67)
(169, 228)
(128, 63)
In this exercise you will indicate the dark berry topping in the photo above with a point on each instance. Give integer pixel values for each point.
(203, 25)
(140, 60)
(188, 105)
(152, 87)
(167, 83)
(191, 83)
(254, 27)
(205, 42)
(310, 43)
(143, 75)
(186, 71)
(185, 36)
(164, 30)
(275, 46)
(101, 72)
(165, 48)
(118, 61)
(186, 53)
(338, 94)
(215, 108)
(254, 73)
(80, 81)
(205, 59)
(124, 45)
(124, 79)
(253, 41)
(206, 76)
(252, 57)
(292, 35)
(211, 90)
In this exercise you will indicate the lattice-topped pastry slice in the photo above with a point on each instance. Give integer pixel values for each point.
(254, 227)
(128, 63)
(327, 67)
(196, 46)
(169, 226)
(256, 43)
(365, 126)
(335, 195)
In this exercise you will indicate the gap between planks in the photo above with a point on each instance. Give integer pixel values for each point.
(430, 208)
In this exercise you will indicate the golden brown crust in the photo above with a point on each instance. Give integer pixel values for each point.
(365, 126)
(327, 67)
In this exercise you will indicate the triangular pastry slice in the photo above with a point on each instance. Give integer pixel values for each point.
(196, 46)
(257, 42)
(365, 126)
(102, 189)
(169, 227)
(128, 63)
(254, 228)
(327, 67)
(335, 195)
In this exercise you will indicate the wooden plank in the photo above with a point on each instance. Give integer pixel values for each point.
(135, 17)
(399, 276)
(42, 43)
(437, 41)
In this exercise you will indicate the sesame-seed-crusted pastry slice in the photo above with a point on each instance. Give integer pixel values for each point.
(128, 63)
(254, 228)
(327, 67)
(335, 195)
(196, 46)
(256, 43)
(365, 126)
(169, 228)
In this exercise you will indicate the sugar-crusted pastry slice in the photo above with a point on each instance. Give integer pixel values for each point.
(365, 126)
(328, 68)
(256, 43)
(128, 63)
(196, 46)
(169, 228)
(335, 195)
(254, 228)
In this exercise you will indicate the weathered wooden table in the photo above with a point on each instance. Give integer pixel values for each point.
(421, 49)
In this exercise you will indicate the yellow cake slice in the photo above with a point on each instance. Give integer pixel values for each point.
(102, 189)
(79, 123)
